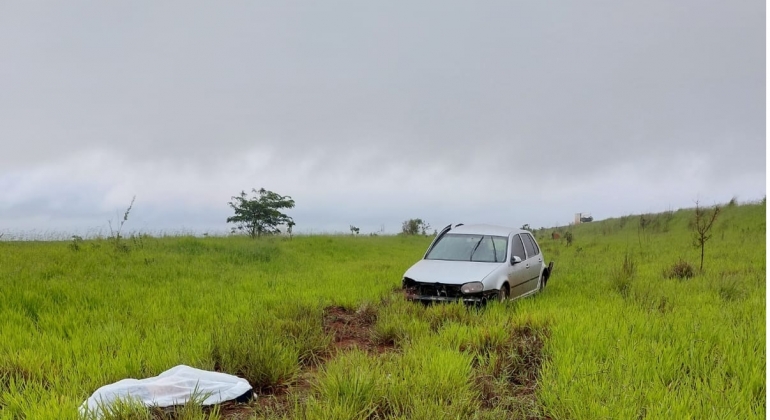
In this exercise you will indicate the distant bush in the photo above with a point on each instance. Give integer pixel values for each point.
(680, 270)
(138, 239)
(568, 237)
(415, 227)
(77, 241)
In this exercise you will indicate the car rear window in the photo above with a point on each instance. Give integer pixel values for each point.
(528, 246)
(534, 244)
(531, 246)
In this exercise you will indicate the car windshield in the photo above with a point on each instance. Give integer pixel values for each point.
(478, 248)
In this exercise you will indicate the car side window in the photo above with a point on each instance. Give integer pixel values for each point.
(517, 248)
(528, 246)
(530, 239)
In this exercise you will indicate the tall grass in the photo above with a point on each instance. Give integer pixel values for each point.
(72, 320)
(669, 348)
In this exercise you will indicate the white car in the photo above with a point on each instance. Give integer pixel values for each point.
(478, 263)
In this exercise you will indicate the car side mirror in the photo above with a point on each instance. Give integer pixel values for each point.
(515, 259)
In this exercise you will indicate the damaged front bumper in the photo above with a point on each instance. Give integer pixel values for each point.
(440, 292)
(480, 299)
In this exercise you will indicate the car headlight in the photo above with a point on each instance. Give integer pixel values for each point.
(474, 287)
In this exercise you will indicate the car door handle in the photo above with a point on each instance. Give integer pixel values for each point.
(526, 266)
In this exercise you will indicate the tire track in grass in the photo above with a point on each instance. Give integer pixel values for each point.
(349, 329)
(507, 375)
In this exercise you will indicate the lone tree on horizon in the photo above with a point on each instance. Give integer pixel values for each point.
(260, 214)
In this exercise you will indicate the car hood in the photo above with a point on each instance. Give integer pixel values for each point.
(449, 272)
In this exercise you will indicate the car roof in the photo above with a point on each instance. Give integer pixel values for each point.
(482, 229)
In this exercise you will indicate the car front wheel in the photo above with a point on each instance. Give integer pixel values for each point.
(504, 293)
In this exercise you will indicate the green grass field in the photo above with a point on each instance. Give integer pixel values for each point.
(602, 341)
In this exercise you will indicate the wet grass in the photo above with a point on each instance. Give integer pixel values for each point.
(315, 325)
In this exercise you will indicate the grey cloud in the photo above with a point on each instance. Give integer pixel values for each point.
(403, 98)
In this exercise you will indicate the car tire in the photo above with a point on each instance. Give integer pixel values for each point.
(504, 293)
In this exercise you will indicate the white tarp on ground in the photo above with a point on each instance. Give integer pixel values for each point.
(172, 387)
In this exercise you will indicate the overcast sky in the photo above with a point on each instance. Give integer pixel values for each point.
(370, 113)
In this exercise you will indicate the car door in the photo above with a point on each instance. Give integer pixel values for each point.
(517, 272)
(534, 262)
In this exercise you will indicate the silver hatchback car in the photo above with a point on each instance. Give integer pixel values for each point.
(478, 263)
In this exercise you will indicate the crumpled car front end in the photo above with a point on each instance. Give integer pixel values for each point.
(469, 293)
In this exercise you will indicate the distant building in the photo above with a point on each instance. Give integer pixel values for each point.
(583, 218)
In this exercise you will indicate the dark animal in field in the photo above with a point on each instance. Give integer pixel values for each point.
(555, 235)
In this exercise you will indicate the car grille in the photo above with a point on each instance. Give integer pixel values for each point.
(437, 289)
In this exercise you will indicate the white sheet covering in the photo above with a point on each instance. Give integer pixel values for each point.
(172, 387)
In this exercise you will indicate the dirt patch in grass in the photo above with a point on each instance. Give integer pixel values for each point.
(508, 378)
(348, 328)
(506, 373)
(272, 405)
(236, 411)
(277, 402)
(528, 347)
(353, 328)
